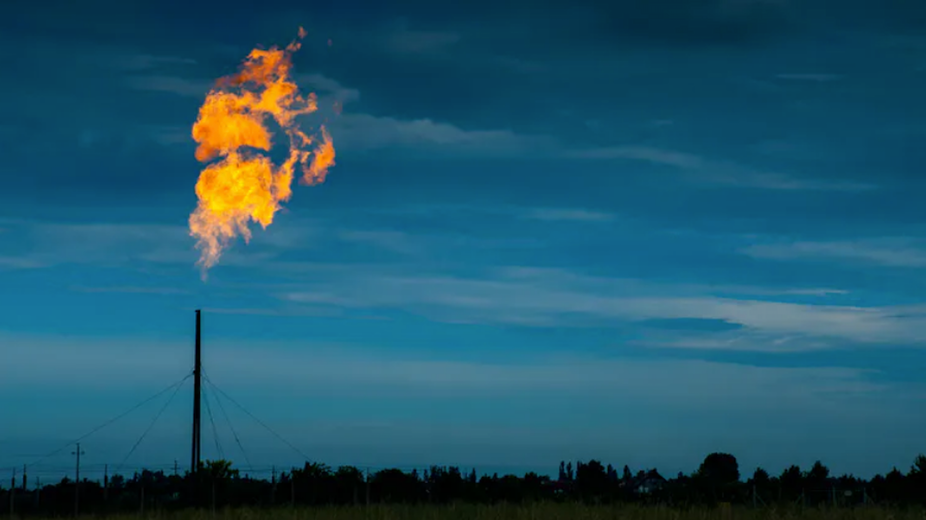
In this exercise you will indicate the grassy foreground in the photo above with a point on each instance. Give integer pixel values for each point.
(549, 511)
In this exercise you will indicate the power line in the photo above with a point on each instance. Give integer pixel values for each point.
(107, 423)
(215, 432)
(156, 417)
(258, 421)
(232, 428)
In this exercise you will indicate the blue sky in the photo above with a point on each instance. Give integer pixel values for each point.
(554, 231)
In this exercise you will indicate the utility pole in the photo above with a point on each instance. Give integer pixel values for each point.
(175, 467)
(197, 390)
(24, 478)
(77, 480)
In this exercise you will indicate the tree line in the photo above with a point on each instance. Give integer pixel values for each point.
(218, 484)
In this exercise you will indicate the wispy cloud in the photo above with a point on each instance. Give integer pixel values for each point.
(130, 290)
(129, 62)
(325, 86)
(50, 244)
(352, 370)
(567, 215)
(735, 341)
(258, 311)
(554, 398)
(400, 39)
(186, 86)
(395, 241)
(719, 172)
(524, 295)
(388, 387)
(815, 292)
(359, 132)
(181, 86)
(168, 135)
(779, 181)
(366, 133)
(888, 252)
(13, 262)
(543, 298)
(643, 153)
(84, 54)
(814, 77)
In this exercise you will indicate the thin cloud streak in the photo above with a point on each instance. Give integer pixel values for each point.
(539, 300)
(306, 366)
(130, 290)
(718, 172)
(813, 77)
(524, 296)
(887, 252)
(567, 215)
(362, 133)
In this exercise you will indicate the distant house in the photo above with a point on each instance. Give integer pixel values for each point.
(648, 482)
(559, 487)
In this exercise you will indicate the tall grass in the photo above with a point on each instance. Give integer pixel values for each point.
(543, 511)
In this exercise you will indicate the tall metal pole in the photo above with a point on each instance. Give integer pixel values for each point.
(197, 389)
(77, 481)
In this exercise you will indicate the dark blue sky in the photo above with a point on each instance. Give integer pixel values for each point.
(638, 232)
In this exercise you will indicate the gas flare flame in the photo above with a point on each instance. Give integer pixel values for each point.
(244, 185)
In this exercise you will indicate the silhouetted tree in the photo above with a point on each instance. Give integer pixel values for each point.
(792, 483)
(760, 477)
(719, 469)
(817, 485)
(916, 480)
(591, 480)
(717, 478)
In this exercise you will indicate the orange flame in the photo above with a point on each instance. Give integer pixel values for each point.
(244, 185)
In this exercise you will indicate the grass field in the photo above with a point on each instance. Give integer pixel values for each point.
(536, 512)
